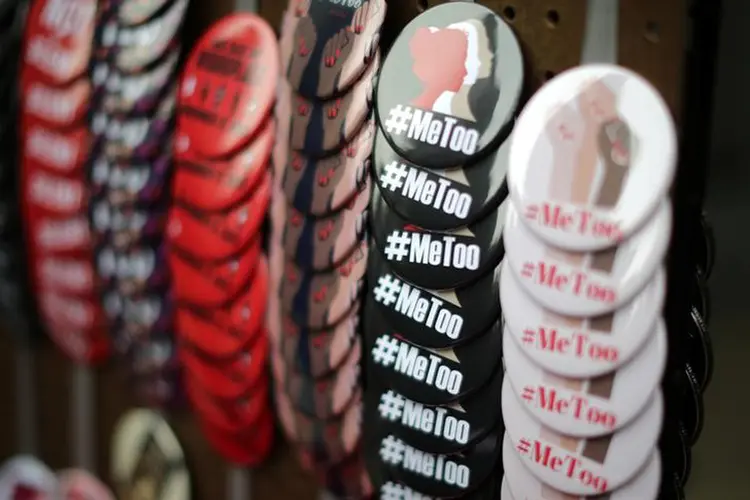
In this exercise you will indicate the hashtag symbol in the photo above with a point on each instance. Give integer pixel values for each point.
(386, 291)
(398, 119)
(528, 393)
(391, 406)
(392, 491)
(393, 176)
(397, 245)
(528, 270)
(384, 352)
(392, 450)
(531, 212)
(528, 336)
(523, 446)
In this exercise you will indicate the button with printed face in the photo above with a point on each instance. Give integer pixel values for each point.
(430, 376)
(229, 84)
(322, 300)
(700, 349)
(328, 45)
(130, 182)
(136, 12)
(146, 456)
(588, 407)
(580, 347)
(318, 353)
(594, 466)
(54, 105)
(450, 86)
(58, 38)
(318, 128)
(592, 157)
(586, 284)
(24, 476)
(78, 484)
(525, 486)
(133, 270)
(440, 199)
(325, 186)
(434, 318)
(219, 235)
(438, 429)
(214, 185)
(320, 244)
(437, 259)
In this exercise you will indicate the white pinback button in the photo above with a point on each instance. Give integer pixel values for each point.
(580, 347)
(592, 156)
(24, 476)
(523, 485)
(586, 283)
(588, 407)
(581, 466)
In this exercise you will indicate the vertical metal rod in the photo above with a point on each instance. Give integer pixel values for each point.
(26, 414)
(600, 34)
(82, 418)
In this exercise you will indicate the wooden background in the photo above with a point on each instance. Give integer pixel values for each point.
(652, 40)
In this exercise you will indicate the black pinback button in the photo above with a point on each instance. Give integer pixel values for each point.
(692, 412)
(132, 270)
(700, 296)
(324, 186)
(130, 182)
(330, 44)
(438, 429)
(437, 259)
(393, 489)
(450, 86)
(675, 450)
(700, 350)
(440, 199)
(425, 375)
(434, 318)
(125, 226)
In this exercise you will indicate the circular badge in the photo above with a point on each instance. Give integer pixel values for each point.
(331, 44)
(318, 353)
(249, 447)
(24, 476)
(692, 411)
(322, 300)
(152, 359)
(146, 458)
(215, 185)
(220, 110)
(211, 283)
(700, 297)
(596, 466)
(588, 407)
(430, 376)
(675, 449)
(54, 235)
(580, 347)
(318, 128)
(58, 38)
(66, 275)
(437, 259)
(325, 186)
(525, 486)
(320, 244)
(450, 86)
(78, 484)
(700, 349)
(440, 199)
(434, 318)
(592, 157)
(136, 317)
(124, 227)
(60, 107)
(586, 284)
(62, 152)
(134, 12)
(129, 182)
(223, 234)
(133, 270)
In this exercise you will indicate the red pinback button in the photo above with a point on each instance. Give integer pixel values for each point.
(325, 186)
(78, 484)
(219, 184)
(249, 447)
(56, 106)
(65, 275)
(58, 235)
(71, 312)
(52, 194)
(220, 332)
(219, 235)
(62, 152)
(58, 38)
(229, 84)
(211, 283)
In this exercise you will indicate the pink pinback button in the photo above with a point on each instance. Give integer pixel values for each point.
(592, 157)
(586, 284)
(520, 484)
(580, 347)
(589, 407)
(581, 466)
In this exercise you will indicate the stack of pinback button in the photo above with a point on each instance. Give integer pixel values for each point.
(55, 144)
(133, 74)
(591, 161)
(330, 56)
(222, 190)
(15, 300)
(445, 103)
